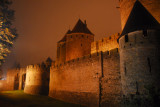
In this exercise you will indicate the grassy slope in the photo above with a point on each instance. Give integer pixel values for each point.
(20, 99)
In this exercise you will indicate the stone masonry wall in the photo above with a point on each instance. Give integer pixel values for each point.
(77, 81)
(140, 60)
(93, 80)
(106, 44)
(3, 85)
(11, 82)
(22, 77)
(111, 81)
(37, 80)
(61, 52)
(78, 45)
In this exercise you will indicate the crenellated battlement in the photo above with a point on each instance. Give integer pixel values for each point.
(105, 44)
(139, 38)
(37, 80)
(88, 57)
(34, 68)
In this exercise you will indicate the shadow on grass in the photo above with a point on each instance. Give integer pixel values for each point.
(20, 99)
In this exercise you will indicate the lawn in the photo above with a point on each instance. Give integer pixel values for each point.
(20, 99)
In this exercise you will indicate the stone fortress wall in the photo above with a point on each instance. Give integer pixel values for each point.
(61, 52)
(13, 80)
(78, 45)
(37, 80)
(91, 80)
(153, 6)
(107, 75)
(140, 60)
(106, 44)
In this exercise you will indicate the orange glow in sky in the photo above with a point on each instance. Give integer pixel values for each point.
(42, 23)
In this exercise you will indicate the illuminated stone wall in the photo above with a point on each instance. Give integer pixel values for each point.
(111, 82)
(80, 80)
(3, 85)
(78, 45)
(139, 64)
(12, 80)
(153, 6)
(37, 80)
(106, 44)
(22, 77)
(61, 52)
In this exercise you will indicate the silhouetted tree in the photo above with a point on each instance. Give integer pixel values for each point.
(7, 31)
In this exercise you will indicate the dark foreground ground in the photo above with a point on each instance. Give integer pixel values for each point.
(20, 99)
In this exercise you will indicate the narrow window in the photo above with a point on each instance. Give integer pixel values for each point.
(125, 69)
(126, 38)
(71, 36)
(145, 33)
(137, 88)
(87, 36)
(149, 64)
(81, 45)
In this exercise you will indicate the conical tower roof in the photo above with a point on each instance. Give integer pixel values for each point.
(64, 38)
(81, 27)
(140, 19)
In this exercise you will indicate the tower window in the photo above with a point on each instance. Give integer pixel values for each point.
(126, 38)
(145, 33)
(149, 64)
(125, 69)
(82, 35)
(137, 88)
(71, 36)
(81, 45)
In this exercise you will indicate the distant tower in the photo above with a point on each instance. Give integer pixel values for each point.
(61, 49)
(153, 6)
(37, 80)
(139, 46)
(75, 43)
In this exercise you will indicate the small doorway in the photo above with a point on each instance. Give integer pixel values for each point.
(16, 82)
(23, 81)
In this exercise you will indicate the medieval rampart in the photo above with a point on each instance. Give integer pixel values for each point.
(139, 63)
(13, 80)
(82, 80)
(106, 44)
(3, 85)
(37, 80)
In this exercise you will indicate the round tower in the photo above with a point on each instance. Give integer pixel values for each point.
(153, 6)
(139, 47)
(61, 49)
(37, 80)
(78, 41)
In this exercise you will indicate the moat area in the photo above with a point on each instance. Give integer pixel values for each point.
(20, 99)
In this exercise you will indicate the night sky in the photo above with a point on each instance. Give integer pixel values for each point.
(41, 23)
